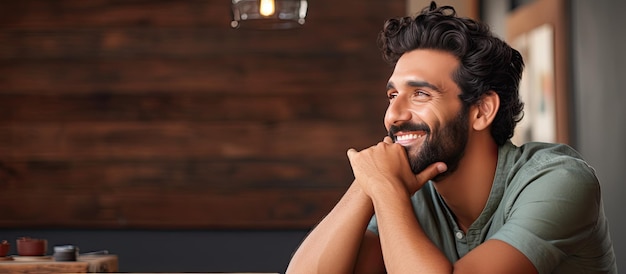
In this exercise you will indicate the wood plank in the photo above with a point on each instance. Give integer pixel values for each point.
(42, 267)
(329, 38)
(181, 140)
(236, 74)
(84, 263)
(153, 207)
(181, 106)
(186, 174)
(35, 14)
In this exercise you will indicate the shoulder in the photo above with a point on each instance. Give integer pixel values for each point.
(553, 164)
(549, 172)
(545, 153)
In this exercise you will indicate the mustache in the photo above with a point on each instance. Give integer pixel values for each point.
(393, 130)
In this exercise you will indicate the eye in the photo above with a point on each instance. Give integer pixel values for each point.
(392, 95)
(421, 95)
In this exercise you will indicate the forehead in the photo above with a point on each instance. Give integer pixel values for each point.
(433, 66)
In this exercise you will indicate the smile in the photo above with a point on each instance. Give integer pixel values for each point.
(408, 138)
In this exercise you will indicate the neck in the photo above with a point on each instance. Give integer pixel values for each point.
(466, 191)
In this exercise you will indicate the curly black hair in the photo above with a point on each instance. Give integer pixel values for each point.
(486, 62)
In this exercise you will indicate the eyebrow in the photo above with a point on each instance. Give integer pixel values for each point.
(416, 84)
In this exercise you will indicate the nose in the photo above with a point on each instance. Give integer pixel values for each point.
(397, 112)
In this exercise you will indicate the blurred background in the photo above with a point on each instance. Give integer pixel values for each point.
(156, 131)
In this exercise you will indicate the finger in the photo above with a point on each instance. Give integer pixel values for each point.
(388, 140)
(351, 153)
(431, 171)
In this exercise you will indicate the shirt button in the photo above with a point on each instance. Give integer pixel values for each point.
(459, 235)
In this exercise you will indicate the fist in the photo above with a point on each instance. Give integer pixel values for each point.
(385, 168)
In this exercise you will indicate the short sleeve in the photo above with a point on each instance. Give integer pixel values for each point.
(553, 212)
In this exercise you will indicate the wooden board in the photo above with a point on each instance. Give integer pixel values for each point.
(156, 114)
(91, 263)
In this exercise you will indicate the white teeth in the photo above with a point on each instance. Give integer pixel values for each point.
(408, 137)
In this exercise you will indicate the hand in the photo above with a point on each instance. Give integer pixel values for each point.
(385, 167)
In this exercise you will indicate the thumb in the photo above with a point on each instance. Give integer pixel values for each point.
(351, 153)
(431, 171)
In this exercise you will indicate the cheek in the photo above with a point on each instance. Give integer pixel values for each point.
(387, 120)
(436, 117)
(430, 117)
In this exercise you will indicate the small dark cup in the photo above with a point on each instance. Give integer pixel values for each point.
(31, 247)
(65, 253)
(4, 248)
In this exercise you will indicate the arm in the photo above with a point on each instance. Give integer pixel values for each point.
(333, 245)
(340, 242)
(383, 173)
(407, 249)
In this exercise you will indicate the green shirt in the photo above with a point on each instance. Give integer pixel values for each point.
(545, 201)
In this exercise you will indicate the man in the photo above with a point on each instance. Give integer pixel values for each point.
(447, 191)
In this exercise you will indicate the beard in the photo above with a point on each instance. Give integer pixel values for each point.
(445, 144)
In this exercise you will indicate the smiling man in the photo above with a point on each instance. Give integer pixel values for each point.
(447, 191)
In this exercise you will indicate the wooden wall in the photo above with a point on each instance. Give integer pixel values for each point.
(156, 114)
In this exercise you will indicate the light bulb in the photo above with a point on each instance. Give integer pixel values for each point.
(267, 7)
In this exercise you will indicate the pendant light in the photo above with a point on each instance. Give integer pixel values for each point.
(268, 14)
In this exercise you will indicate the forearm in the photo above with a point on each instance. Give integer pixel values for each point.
(333, 245)
(406, 248)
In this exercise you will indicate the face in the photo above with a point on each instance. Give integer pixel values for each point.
(425, 114)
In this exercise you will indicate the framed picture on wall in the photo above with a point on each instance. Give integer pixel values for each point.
(537, 30)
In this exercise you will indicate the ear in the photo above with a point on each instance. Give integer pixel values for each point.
(485, 111)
